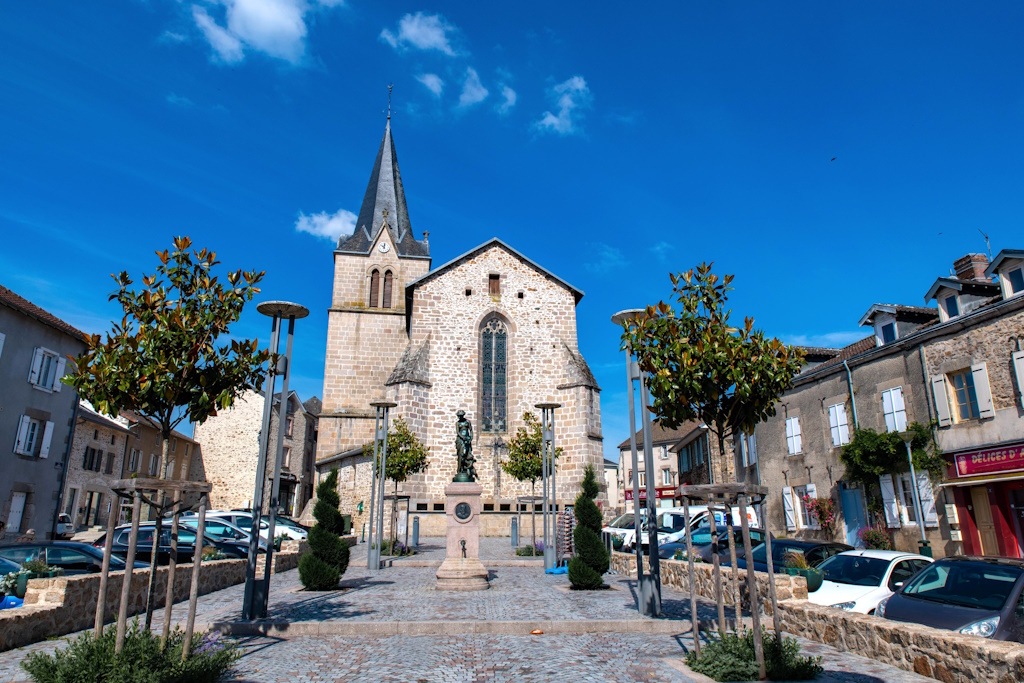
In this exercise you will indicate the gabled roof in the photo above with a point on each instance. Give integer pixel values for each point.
(917, 314)
(1002, 256)
(494, 241)
(26, 307)
(661, 435)
(965, 286)
(847, 352)
(384, 192)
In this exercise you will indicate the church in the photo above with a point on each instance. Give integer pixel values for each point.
(490, 332)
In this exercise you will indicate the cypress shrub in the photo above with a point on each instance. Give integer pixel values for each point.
(321, 568)
(591, 561)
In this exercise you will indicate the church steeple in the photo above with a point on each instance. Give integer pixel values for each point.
(384, 191)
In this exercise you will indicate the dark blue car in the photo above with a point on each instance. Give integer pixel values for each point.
(815, 552)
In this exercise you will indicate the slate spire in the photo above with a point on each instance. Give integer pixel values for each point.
(384, 191)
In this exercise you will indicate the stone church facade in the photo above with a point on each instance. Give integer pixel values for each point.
(490, 332)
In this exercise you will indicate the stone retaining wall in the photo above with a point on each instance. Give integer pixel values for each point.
(676, 574)
(54, 607)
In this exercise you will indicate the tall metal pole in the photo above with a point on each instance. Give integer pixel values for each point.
(652, 501)
(544, 479)
(383, 409)
(373, 492)
(248, 611)
(917, 494)
(547, 421)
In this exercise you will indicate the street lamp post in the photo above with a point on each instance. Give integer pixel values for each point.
(380, 446)
(547, 460)
(257, 593)
(908, 438)
(649, 584)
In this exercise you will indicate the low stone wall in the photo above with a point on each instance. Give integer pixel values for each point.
(943, 655)
(676, 574)
(54, 607)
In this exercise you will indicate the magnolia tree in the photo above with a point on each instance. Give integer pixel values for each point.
(701, 367)
(406, 456)
(163, 361)
(524, 461)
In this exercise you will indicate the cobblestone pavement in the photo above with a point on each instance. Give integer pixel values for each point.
(407, 594)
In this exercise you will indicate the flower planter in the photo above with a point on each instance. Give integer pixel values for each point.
(814, 578)
(22, 586)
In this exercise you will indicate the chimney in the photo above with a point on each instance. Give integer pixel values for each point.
(971, 267)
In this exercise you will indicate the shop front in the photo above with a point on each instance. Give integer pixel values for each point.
(988, 487)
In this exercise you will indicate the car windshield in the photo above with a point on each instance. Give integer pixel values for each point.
(968, 584)
(854, 570)
(779, 551)
(669, 523)
(623, 522)
(701, 535)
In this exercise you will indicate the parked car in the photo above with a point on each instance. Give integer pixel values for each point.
(815, 552)
(672, 525)
(221, 530)
(291, 528)
(243, 520)
(73, 558)
(622, 527)
(975, 596)
(65, 528)
(858, 579)
(701, 539)
(186, 544)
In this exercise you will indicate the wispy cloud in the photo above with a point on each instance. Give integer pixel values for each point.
(604, 258)
(173, 37)
(826, 339)
(274, 27)
(422, 32)
(432, 82)
(327, 225)
(661, 250)
(571, 97)
(178, 100)
(508, 100)
(473, 91)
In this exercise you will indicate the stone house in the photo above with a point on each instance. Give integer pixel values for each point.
(490, 332)
(230, 448)
(97, 458)
(613, 489)
(143, 454)
(37, 414)
(975, 366)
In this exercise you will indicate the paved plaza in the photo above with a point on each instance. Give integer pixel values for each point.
(392, 625)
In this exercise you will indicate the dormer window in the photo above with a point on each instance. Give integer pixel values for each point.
(1015, 278)
(888, 333)
(951, 306)
(1008, 268)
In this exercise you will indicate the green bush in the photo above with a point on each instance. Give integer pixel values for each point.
(876, 538)
(591, 561)
(321, 568)
(92, 660)
(732, 658)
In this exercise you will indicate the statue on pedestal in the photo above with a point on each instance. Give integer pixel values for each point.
(466, 470)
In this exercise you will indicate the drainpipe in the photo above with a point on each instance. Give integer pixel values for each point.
(853, 402)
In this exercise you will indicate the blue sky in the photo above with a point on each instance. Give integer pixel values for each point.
(611, 143)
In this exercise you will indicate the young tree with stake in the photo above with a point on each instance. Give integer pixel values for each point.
(524, 461)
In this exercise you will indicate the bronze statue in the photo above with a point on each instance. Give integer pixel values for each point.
(464, 449)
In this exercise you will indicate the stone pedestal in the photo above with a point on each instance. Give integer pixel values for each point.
(462, 569)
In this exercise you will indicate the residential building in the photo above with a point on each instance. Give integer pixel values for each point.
(612, 489)
(37, 413)
(97, 459)
(231, 451)
(143, 454)
(491, 333)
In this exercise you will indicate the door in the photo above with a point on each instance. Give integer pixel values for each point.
(17, 510)
(983, 520)
(1017, 510)
(854, 516)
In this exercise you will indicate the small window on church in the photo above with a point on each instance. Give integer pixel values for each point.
(494, 285)
(469, 291)
(387, 289)
(520, 294)
(493, 386)
(374, 288)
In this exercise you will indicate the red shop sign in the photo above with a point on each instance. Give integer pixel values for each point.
(993, 460)
(660, 492)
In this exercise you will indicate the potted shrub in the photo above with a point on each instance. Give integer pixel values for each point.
(796, 565)
(33, 569)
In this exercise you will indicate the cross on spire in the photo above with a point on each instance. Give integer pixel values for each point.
(390, 86)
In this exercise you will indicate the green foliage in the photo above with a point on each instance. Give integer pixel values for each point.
(732, 658)
(524, 462)
(407, 455)
(162, 359)
(321, 568)
(876, 538)
(591, 562)
(39, 567)
(796, 561)
(395, 548)
(88, 659)
(701, 367)
(528, 551)
(870, 455)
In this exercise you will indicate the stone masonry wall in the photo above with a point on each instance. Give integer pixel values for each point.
(231, 451)
(54, 607)
(80, 482)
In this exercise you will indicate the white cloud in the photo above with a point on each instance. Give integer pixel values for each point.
(571, 97)
(661, 250)
(274, 27)
(179, 100)
(473, 91)
(604, 259)
(825, 339)
(508, 100)
(422, 32)
(327, 226)
(432, 82)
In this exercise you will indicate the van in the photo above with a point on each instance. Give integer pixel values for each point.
(672, 526)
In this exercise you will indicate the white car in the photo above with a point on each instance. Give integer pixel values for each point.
(857, 580)
(672, 529)
(622, 527)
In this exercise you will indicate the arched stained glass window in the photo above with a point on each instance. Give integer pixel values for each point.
(493, 383)
(387, 288)
(374, 288)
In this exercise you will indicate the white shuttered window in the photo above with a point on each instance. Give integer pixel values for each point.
(894, 410)
(837, 423)
(793, 440)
